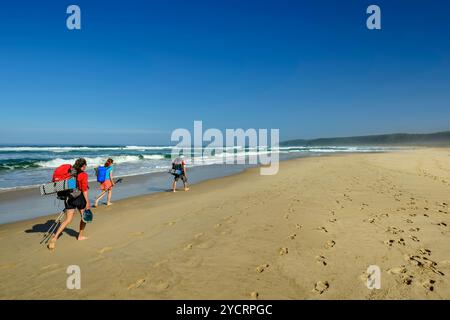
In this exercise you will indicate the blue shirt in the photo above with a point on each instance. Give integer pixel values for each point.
(108, 172)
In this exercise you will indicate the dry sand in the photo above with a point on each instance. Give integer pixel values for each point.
(309, 232)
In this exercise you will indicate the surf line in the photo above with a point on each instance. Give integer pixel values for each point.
(187, 310)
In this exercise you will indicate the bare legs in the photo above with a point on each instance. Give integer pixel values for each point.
(109, 197)
(102, 195)
(67, 221)
(82, 226)
(174, 186)
(99, 198)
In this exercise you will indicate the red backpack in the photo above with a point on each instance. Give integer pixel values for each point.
(63, 172)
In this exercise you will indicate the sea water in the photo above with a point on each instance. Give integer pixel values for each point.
(27, 166)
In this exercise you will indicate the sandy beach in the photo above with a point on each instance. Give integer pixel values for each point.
(309, 232)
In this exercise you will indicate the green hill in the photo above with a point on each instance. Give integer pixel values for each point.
(398, 139)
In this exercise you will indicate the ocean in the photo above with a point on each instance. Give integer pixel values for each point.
(30, 166)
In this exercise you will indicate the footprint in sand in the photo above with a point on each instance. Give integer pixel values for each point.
(137, 284)
(394, 230)
(363, 206)
(262, 268)
(226, 232)
(298, 226)
(407, 279)
(322, 229)
(442, 224)
(229, 220)
(391, 242)
(429, 284)
(283, 251)
(199, 235)
(171, 223)
(397, 270)
(330, 244)
(160, 263)
(161, 285)
(105, 249)
(414, 238)
(423, 262)
(189, 246)
(254, 295)
(218, 225)
(332, 220)
(321, 286)
(292, 236)
(409, 221)
(322, 260)
(207, 244)
(414, 229)
(425, 251)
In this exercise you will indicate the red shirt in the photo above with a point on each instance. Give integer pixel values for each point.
(82, 181)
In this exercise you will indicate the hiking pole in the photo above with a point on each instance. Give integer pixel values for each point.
(52, 228)
(116, 182)
(47, 234)
(57, 223)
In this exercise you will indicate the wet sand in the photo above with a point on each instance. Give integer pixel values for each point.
(309, 232)
(27, 203)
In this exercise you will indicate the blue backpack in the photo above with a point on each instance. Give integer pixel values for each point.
(101, 174)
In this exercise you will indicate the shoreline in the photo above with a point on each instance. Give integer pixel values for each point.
(27, 203)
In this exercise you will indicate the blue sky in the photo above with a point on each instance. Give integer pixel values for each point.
(139, 69)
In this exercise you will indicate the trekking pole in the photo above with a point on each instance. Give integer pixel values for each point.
(57, 223)
(47, 234)
(52, 228)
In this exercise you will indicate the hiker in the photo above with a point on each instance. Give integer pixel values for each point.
(179, 168)
(75, 201)
(105, 177)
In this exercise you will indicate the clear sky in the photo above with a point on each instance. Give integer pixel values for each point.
(139, 69)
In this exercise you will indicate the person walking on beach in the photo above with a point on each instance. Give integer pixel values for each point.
(179, 168)
(75, 201)
(107, 184)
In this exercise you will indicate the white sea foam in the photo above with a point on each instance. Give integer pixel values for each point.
(91, 162)
(153, 157)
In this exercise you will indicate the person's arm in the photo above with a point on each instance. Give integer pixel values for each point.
(111, 178)
(84, 187)
(86, 196)
(184, 170)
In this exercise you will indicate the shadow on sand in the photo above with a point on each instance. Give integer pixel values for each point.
(43, 228)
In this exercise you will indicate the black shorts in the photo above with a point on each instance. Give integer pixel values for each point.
(182, 177)
(75, 203)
